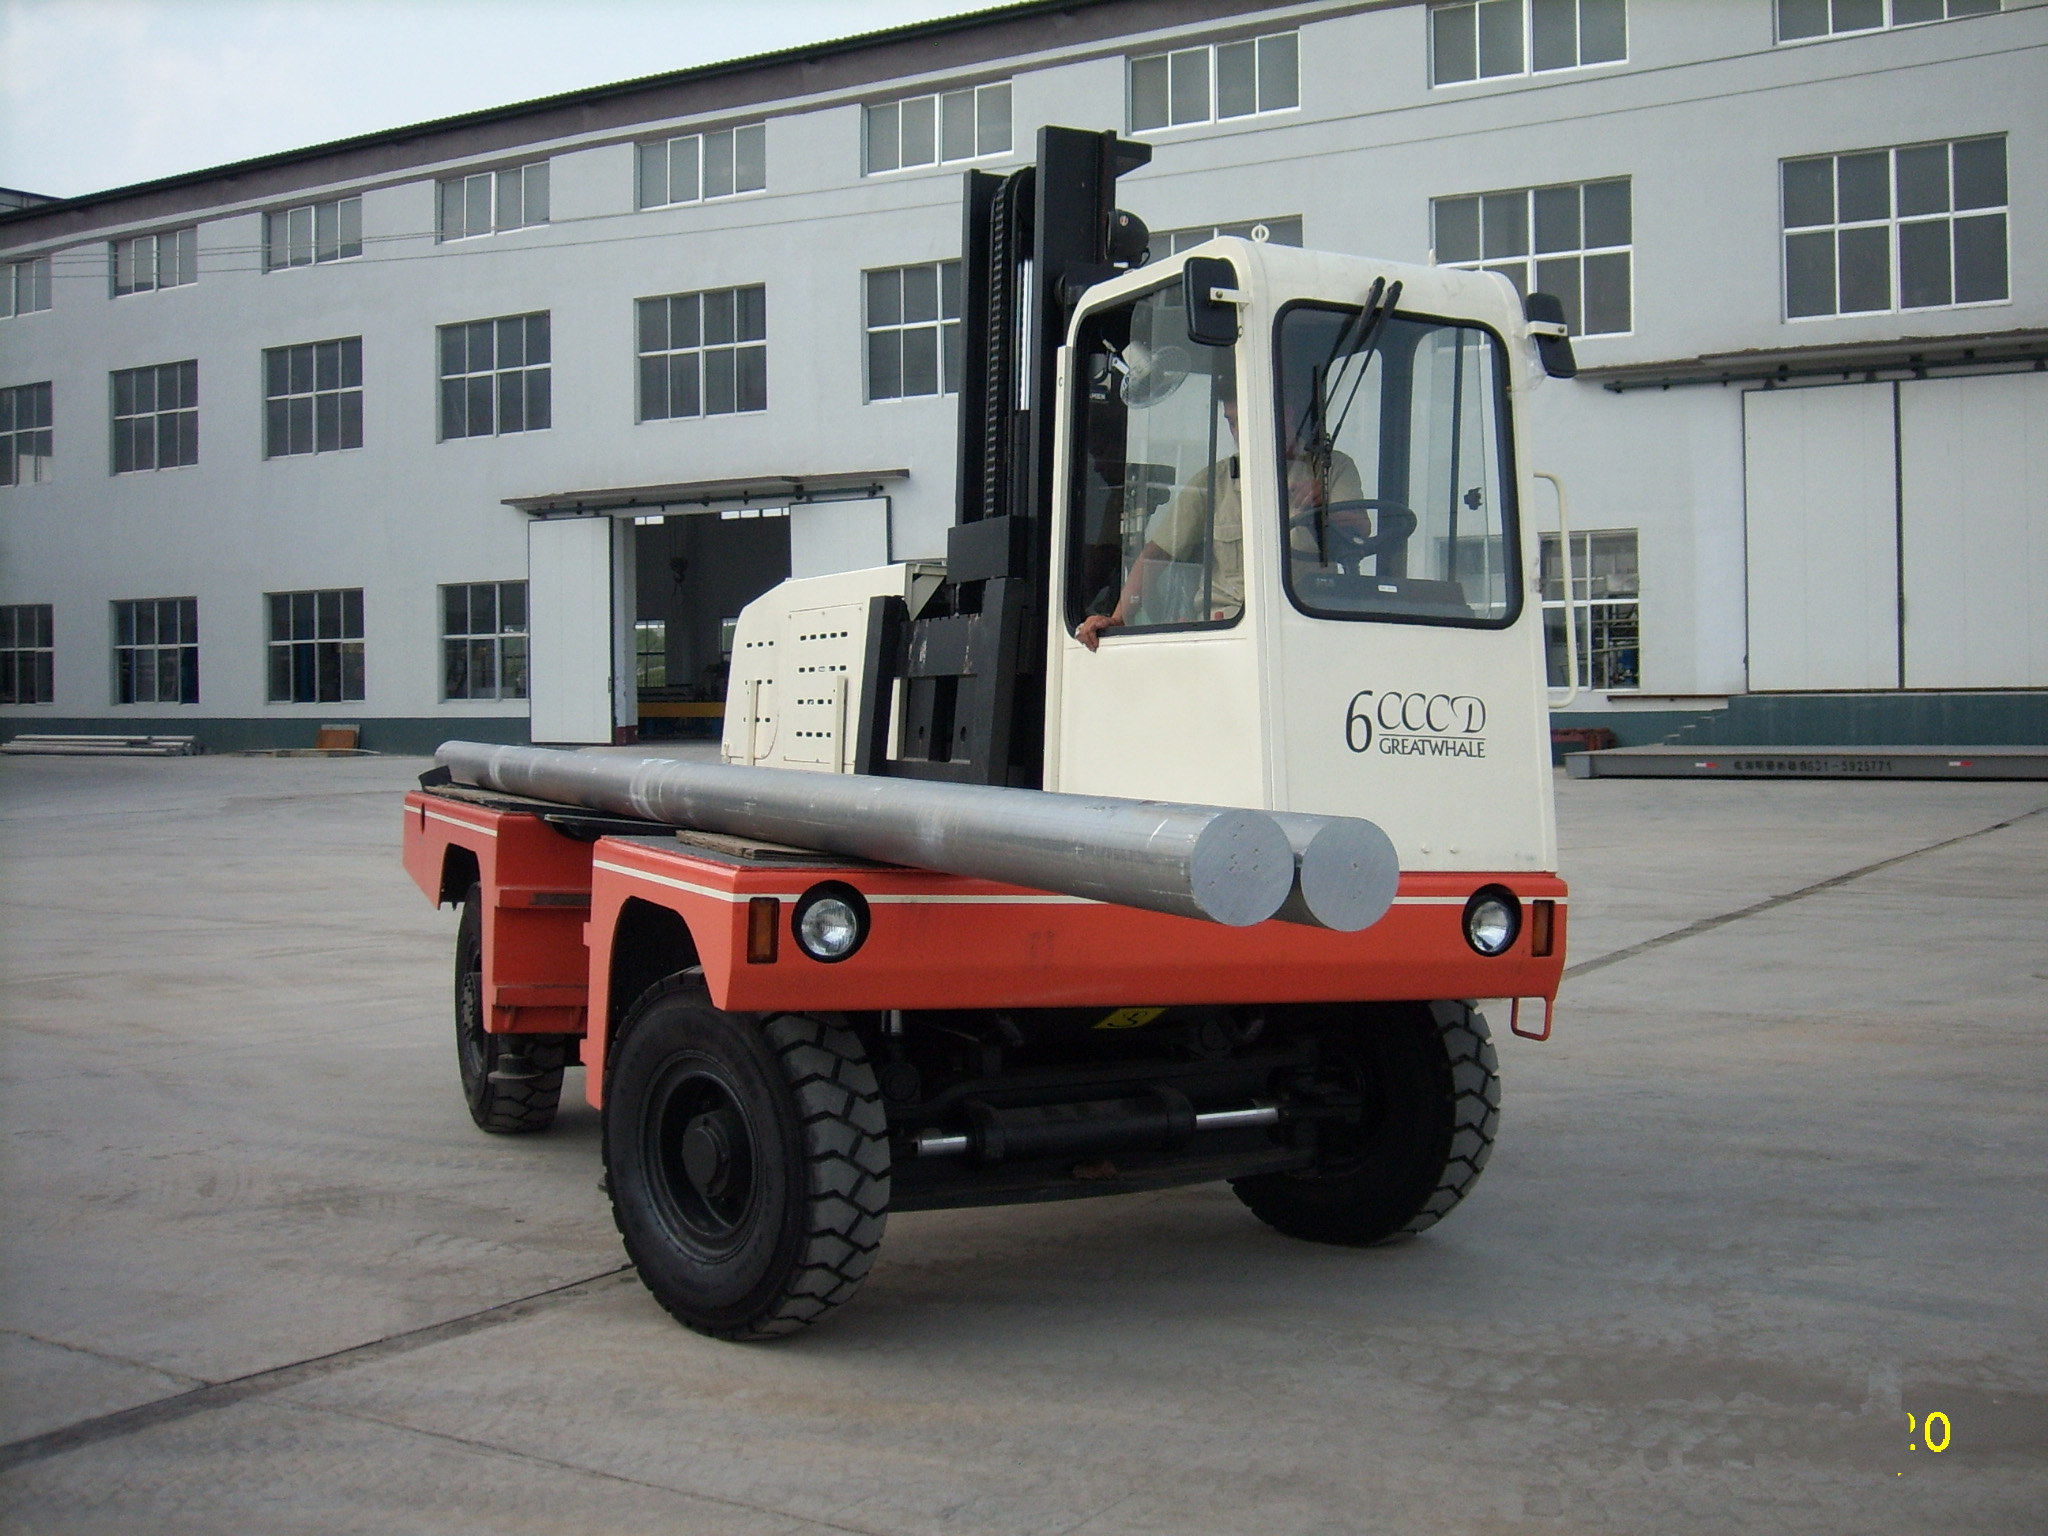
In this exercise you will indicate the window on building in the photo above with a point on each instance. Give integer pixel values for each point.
(1575, 241)
(156, 417)
(1919, 227)
(316, 232)
(148, 262)
(650, 653)
(313, 397)
(914, 330)
(27, 654)
(495, 376)
(1492, 38)
(696, 166)
(24, 287)
(483, 640)
(1607, 604)
(704, 354)
(1171, 242)
(1216, 81)
(929, 130)
(316, 646)
(156, 651)
(1801, 19)
(26, 436)
(494, 200)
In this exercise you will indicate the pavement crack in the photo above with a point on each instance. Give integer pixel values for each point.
(102, 1355)
(224, 1394)
(1708, 924)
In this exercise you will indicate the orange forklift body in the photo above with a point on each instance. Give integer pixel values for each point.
(552, 905)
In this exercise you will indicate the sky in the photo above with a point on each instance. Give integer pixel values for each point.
(106, 93)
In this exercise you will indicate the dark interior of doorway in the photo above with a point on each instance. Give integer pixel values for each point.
(695, 575)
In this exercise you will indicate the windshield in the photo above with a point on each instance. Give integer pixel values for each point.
(1395, 469)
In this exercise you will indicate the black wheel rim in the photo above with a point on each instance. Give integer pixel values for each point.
(471, 1042)
(703, 1156)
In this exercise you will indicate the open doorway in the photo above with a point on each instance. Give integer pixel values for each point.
(695, 573)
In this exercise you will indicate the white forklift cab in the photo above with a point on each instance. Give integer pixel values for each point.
(1298, 494)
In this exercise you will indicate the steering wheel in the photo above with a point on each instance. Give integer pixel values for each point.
(1346, 546)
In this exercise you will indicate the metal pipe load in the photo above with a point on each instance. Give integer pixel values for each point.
(1235, 867)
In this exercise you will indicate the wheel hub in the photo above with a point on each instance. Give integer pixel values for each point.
(707, 1151)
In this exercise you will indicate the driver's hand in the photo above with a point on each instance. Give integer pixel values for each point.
(1090, 631)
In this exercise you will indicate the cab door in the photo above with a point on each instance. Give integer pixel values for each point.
(1166, 705)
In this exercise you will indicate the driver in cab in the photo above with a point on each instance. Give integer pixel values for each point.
(1325, 505)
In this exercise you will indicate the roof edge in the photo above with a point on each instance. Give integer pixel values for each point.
(582, 96)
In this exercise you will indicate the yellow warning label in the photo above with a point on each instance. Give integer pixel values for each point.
(1130, 1018)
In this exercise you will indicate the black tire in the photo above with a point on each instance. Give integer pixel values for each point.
(1429, 1085)
(748, 1162)
(505, 1105)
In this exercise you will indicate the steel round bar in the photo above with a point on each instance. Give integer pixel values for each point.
(1227, 866)
(1346, 871)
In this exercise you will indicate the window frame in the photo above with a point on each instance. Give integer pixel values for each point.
(1528, 68)
(528, 173)
(125, 618)
(702, 351)
(1517, 582)
(1075, 599)
(1891, 23)
(1530, 260)
(1568, 609)
(346, 393)
(872, 112)
(701, 162)
(348, 233)
(494, 638)
(948, 359)
(185, 412)
(1894, 223)
(184, 262)
(293, 645)
(1214, 115)
(40, 434)
(34, 273)
(1243, 229)
(40, 653)
(498, 373)
(647, 658)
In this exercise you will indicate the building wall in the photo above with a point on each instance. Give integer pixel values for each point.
(1698, 117)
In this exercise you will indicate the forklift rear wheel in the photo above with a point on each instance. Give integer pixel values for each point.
(1428, 1083)
(512, 1082)
(748, 1162)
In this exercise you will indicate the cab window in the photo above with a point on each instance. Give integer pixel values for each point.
(1395, 469)
(1157, 530)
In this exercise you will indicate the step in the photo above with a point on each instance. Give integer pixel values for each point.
(1810, 763)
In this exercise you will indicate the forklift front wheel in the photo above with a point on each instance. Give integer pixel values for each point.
(748, 1162)
(1427, 1083)
(512, 1083)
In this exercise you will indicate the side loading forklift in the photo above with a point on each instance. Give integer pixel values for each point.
(1168, 830)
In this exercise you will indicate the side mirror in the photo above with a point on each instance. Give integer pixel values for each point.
(1545, 314)
(1211, 322)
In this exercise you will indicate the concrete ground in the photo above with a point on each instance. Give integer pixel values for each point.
(1773, 1196)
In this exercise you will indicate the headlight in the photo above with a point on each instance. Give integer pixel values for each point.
(831, 922)
(1493, 919)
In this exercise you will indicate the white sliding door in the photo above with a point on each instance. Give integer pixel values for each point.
(1975, 456)
(572, 612)
(1822, 507)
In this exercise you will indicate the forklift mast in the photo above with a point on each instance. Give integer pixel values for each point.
(972, 658)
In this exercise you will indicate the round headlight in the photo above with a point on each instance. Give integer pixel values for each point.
(1493, 918)
(831, 921)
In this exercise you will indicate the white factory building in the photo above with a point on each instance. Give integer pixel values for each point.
(489, 427)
